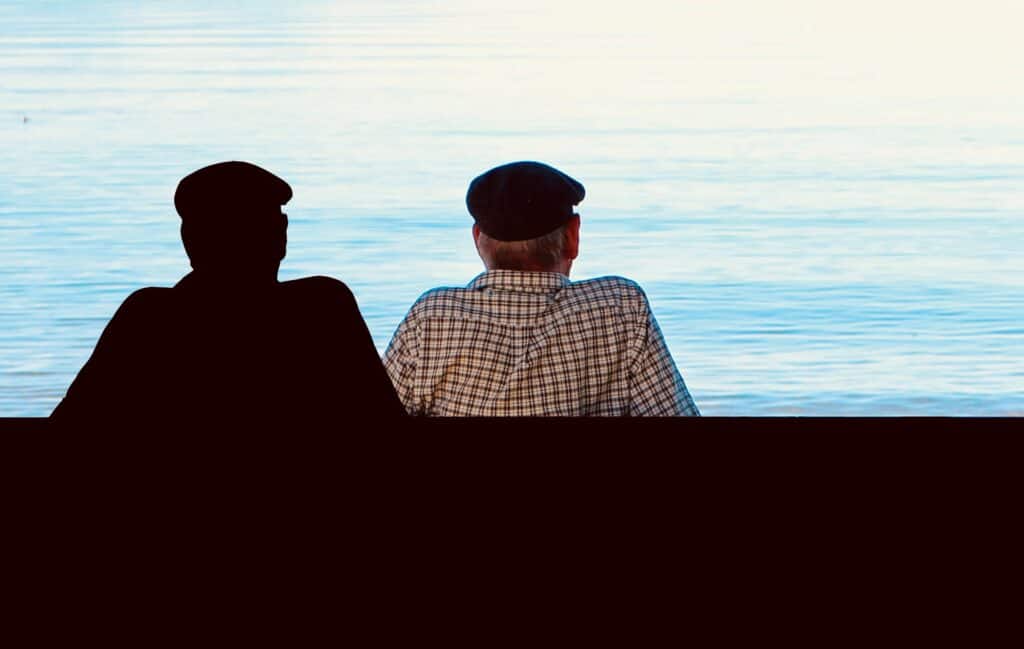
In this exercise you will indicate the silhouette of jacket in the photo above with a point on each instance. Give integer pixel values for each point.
(208, 350)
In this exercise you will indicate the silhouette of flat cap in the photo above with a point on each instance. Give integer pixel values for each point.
(522, 200)
(228, 185)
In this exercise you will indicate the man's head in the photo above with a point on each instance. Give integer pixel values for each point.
(231, 219)
(524, 218)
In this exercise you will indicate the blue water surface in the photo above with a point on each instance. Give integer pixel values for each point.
(813, 241)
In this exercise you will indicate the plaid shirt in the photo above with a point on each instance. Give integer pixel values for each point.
(516, 343)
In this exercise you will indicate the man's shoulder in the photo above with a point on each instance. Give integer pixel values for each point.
(150, 294)
(612, 293)
(318, 285)
(146, 299)
(609, 289)
(439, 298)
(322, 282)
(141, 313)
(608, 283)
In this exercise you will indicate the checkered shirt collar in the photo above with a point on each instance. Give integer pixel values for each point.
(519, 280)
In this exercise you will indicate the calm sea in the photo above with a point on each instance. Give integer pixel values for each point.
(824, 209)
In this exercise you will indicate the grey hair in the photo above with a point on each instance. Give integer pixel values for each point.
(542, 253)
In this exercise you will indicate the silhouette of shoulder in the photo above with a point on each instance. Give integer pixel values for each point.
(320, 286)
(146, 298)
(319, 298)
(145, 304)
(120, 364)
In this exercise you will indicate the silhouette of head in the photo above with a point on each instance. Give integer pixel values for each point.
(231, 219)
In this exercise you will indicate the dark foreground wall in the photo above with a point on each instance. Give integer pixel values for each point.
(544, 466)
(442, 525)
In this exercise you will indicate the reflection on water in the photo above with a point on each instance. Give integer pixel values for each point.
(816, 236)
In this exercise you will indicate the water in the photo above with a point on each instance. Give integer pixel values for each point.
(823, 206)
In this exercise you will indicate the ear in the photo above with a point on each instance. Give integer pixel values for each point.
(572, 237)
(476, 244)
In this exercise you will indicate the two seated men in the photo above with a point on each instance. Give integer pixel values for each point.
(231, 341)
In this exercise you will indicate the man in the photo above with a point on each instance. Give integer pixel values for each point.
(229, 341)
(521, 339)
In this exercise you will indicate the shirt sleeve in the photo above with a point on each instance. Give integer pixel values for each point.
(400, 362)
(656, 387)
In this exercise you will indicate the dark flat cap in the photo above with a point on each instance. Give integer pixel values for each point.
(522, 200)
(229, 184)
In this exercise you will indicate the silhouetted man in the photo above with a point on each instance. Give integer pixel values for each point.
(229, 341)
(523, 340)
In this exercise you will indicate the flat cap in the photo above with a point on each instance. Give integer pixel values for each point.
(229, 184)
(522, 200)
